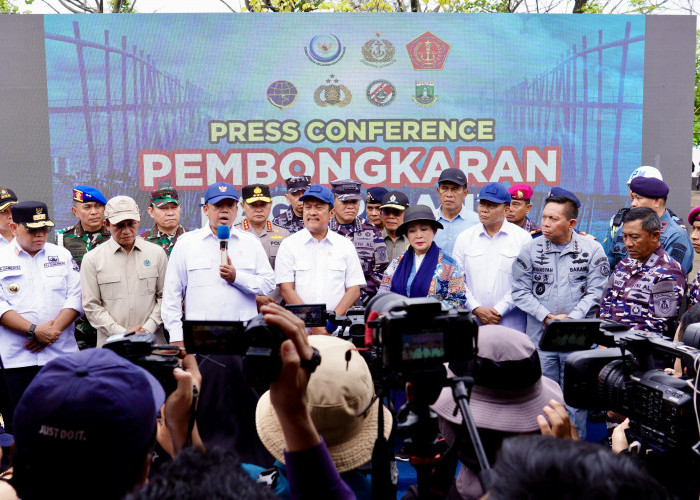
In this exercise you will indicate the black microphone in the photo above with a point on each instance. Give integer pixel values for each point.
(223, 233)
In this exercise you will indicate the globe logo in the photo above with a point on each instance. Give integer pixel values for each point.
(325, 50)
(282, 94)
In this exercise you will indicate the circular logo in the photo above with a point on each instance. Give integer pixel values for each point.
(282, 94)
(381, 92)
(539, 289)
(325, 50)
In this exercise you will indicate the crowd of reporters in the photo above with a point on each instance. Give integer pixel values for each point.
(110, 419)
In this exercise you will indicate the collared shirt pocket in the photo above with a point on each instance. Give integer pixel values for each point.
(578, 284)
(13, 286)
(542, 284)
(200, 273)
(147, 281)
(336, 269)
(507, 256)
(111, 286)
(302, 272)
(55, 277)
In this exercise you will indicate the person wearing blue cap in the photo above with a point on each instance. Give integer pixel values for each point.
(219, 270)
(558, 276)
(213, 290)
(485, 253)
(89, 207)
(373, 202)
(317, 265)
(39, 301)
(651, 192)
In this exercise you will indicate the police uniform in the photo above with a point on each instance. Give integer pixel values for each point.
(37, 288)
(74, 238)
(398, 201)
(367, 239)
(160, 197)
(288, 219)
(674, 239)
(7, 199)
(271, 235)
(645, 296)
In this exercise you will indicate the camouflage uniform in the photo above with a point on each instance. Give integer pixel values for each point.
(674, 239)
(164, 240)
(530, 226)
(371, 249)
(289, 220)
(79, 242)
(694, 291)
(645, 296)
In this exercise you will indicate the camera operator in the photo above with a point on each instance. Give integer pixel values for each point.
(507, 399)
(646, 289)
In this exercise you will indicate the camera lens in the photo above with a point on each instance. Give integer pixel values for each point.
(611, 382)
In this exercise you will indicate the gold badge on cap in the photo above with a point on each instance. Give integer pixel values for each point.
(4, 194)
(257, 190)
(223, 188)
(13, 287)
(392, 198)
(77, 195)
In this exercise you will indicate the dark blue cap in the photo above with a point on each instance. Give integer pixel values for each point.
(494, 192)
(395, 199)
(92, 403)
(319, 192)
(453, 175)
(557, 191)
(375, 195)
(649, 187)
(85, 194)
(220, 191)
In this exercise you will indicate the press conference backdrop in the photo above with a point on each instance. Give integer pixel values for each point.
(129, 103)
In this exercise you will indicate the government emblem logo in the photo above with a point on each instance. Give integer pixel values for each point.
(381, 92)
(146, 262)
(378, 52)
(427, 51)
(223, 189)
(13, 287)
(282, 94)
(4, 194)
(325, 50)
(425, 94)
(332, 94)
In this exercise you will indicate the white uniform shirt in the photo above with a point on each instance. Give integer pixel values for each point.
(487, 263)
(193, 273)
(4, 241)
(321, 271)
(37, 288)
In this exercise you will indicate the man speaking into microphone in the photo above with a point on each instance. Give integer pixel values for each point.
(219, 270)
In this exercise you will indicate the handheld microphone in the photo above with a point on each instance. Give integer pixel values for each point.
(223, 233)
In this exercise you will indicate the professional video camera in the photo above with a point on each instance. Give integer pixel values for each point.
(624, 379)
(258, 341)
(142, 350)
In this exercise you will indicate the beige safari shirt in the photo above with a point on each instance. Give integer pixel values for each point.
(123, 290)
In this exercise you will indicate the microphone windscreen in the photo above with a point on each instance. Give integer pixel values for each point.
(223, 232)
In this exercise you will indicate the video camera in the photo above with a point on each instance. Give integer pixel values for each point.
(624, 379)
(256, 340)
(142, 350)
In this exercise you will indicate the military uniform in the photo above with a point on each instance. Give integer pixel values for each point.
(164, 240)
(694, 291)
(645, 296)
(371, 249)
(270, 237)
(289, 221)
(79, 242)
(530, 226)
(674, 240)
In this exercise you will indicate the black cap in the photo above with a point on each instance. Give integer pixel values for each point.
(415, 213)
(256, 192)
(395, 199)
(32, 214)
(7, 198)
(557, 191)
(453, 175)
(375, 195)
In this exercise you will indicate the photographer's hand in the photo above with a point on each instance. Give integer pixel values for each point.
(178, 407)
(288, 392)
(559, 424)
(619, 438)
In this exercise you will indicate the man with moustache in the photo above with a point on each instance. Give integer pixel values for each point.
(394, 204)
(373, 204)
(165, 211)
(291, 219)
(39, 301)
(122, 280)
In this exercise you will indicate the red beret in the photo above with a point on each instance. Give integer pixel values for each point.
(520, 192)
(693, 215)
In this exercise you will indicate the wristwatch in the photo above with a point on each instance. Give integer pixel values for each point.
(30, 332)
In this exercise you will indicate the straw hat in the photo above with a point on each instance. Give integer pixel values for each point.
(337, 393)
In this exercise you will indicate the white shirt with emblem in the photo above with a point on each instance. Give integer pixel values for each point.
(37, 288)
(321, 270)
(193, 273)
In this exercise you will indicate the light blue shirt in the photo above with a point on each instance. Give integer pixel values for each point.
(445, 238)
